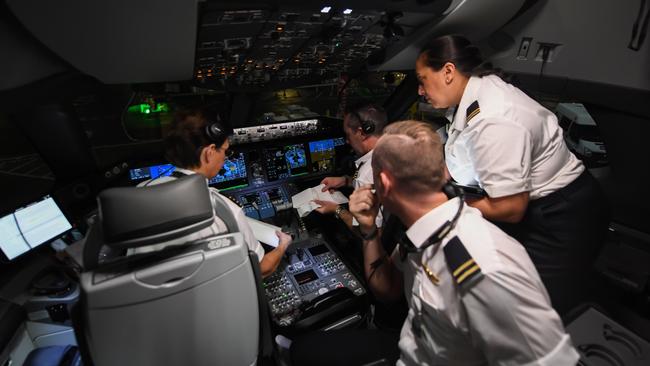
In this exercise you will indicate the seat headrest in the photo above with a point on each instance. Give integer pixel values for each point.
(133, 217)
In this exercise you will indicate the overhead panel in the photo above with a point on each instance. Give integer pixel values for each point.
(298, 43)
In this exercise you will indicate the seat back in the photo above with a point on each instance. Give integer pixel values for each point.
(198, 307)
(190, 304)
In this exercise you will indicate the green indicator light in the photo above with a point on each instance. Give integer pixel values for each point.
(145, 108)
(161, 107)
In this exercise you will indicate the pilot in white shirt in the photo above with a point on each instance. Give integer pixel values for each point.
(363, 124)
(474, 295)
(513, 148)
(475, 298)
(196, 145)
(218, 227)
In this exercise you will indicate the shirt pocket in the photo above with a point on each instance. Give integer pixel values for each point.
(434, 325)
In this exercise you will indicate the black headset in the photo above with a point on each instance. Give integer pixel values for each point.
(405, 244)
(367, 125)
(215, 132)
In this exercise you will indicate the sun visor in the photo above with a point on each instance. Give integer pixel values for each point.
(119, 41)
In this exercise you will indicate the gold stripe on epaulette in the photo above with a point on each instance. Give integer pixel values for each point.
(463, 266)
(471, 270)
(473, 114)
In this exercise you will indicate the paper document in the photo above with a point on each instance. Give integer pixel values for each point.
(264, 232)
(303, 201)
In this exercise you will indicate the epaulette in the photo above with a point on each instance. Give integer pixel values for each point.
(472, 111)
(461, 265)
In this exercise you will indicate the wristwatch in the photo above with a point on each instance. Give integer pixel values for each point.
(338, 211)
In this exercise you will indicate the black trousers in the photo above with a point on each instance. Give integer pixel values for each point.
(563, 233)
(346, 347)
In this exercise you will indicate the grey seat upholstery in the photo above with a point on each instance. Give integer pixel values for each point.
(192, 304)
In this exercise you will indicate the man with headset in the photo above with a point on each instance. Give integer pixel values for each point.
(195, 145)
(474, 294)
(363, 124)
(475, 297)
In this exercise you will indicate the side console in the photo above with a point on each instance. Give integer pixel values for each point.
(312, 287)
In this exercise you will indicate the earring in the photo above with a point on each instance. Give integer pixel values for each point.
(448, 81)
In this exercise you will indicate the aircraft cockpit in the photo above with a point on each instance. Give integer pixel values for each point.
(90, 91)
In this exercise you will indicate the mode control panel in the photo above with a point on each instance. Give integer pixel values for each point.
(312, 270)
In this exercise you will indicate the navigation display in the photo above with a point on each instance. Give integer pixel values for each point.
(31, 226)
(285, 162)
(233, 174)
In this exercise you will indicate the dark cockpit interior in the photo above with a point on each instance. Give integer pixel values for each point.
(89, 90)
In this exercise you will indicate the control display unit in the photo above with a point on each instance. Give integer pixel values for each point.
(312, 271)
(30, 226)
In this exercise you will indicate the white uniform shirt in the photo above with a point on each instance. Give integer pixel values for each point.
(364, 176)
(502, 318)
(364, 171)
(512, 145)
(216, 228)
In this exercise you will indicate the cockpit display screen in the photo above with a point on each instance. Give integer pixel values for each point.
(285, 162)
(305, 277)
(233, 174)
(317, 250)
(31, 226)
(151, 172)
(322, 155)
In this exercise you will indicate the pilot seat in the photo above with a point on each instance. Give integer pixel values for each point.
(196, 302)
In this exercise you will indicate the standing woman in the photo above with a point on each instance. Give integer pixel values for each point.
(513, 147)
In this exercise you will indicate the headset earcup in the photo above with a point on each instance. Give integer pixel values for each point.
(214, 131)
(367, 127)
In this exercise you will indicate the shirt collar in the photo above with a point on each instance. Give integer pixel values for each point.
(469, 96)
(420, 231)
(185, 171)
(190, 172)
(364, 159)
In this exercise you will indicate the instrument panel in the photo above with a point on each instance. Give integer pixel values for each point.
(266, 160)
(267, 154)
(302, 278)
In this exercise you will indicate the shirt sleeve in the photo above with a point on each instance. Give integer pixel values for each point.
(501, 155)
(512, 322)
(365, 177)
(245, 229)
(249, 237)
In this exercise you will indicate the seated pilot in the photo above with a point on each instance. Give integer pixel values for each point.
(363, 124)
(195, 145)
